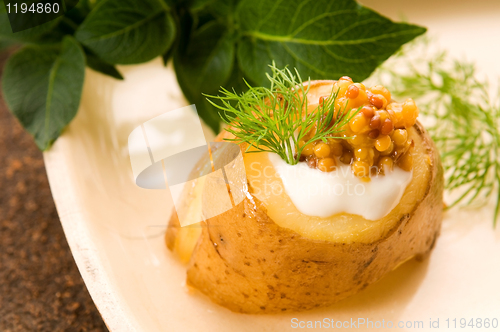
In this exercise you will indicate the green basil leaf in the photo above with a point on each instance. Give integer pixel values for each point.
(206, 111)
(42, 86)
(195, 5)
(101, 66)
(219, 9)
(128, 31)
(236, 83)
(323, 39)
(39, 34)
(168, 55)
(207, 61)
(185, 25)
(204, 67)
(35, 12)
(79, 12)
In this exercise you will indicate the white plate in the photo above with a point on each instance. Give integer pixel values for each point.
(115, 229)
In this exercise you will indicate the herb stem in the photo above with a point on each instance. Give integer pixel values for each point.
(465, 119)
(276, 119)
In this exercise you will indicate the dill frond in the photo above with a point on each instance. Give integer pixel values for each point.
(465, 119)
(277, 118)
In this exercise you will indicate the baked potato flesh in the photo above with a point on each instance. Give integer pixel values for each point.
(345, 228)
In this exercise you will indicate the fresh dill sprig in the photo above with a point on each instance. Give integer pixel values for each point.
(465, 119)
(277, 118)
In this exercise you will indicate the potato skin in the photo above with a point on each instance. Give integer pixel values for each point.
(247, 263)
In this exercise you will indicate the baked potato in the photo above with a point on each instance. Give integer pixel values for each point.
(264, 256)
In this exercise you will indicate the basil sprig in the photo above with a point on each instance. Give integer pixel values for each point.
(213, 43)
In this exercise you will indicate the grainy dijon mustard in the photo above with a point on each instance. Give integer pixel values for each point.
(377, 137)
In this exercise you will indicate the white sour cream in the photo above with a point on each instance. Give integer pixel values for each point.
(322, 194)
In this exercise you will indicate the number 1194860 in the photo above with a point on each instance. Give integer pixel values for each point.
(472, 323)
(40, 8)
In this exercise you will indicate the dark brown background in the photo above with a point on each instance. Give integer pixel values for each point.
(40, 286)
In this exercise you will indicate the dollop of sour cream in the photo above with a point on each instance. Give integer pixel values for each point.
(322, 194)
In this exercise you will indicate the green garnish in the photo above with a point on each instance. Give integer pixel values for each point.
(465, 119)
(276, 119)
(213, 43)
